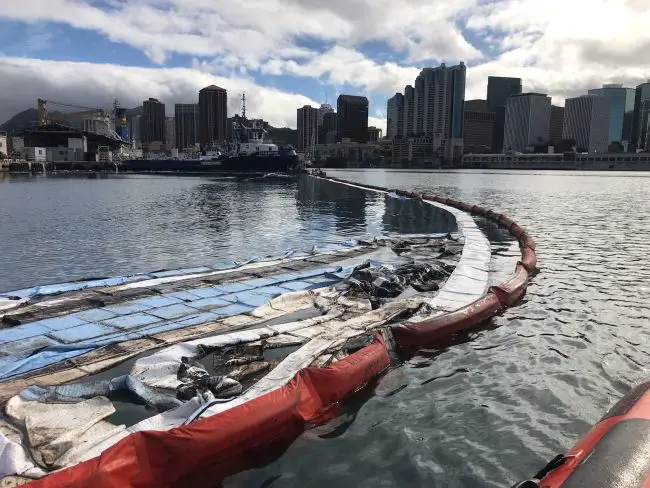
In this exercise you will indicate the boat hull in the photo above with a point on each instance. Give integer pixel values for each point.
(252, 163)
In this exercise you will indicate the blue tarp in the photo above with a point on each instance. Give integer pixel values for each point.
(50, 341)
(57, 288)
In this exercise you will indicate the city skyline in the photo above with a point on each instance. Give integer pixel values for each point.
(91, 52)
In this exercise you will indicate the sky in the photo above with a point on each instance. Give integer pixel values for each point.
(288, 53)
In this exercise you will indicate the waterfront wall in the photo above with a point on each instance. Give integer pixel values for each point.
(253, 433)
(580, 162)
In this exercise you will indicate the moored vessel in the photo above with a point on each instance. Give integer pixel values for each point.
(246, 152)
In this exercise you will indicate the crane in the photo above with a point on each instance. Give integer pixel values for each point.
(44, 118)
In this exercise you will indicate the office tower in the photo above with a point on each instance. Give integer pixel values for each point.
(395, 116)
(352, 118)
(186, 120)
(170, 132)
(213, 115)
(447, 117)
(640, 118)
(527, 120)
(307, 120)
(621, 103)
(409, 99)
(478, 126)
(152, 127)
(498, 90)
(325, 108)
(556, 124)
(587, 120)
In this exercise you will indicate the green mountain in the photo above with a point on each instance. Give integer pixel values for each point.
(283, 136)
(23, 120)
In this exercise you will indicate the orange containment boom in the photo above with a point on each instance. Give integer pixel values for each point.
(253, 433)
(613, 453)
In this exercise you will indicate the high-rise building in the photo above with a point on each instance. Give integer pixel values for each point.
(135, 129)
(431, 85)
(478, 126)
(527, 120)
(307, 120)
(447, 117)
(329, 127)
(498, 90)
(556, 124)
(374, 134)
(586, 119)
(424, 89)
(170, 132)
(325, 108)
(186, 121)
(641, 119)
(409, 100)
(395, 116)
(213, 115)
(621, 102)
(352, 118)
(152, 128)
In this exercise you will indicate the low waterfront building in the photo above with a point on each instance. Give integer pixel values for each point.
(64, 154)
(4, 144)
(569, 161)
(413, 150)
(17, 146)
(347, 152)
(34, 154)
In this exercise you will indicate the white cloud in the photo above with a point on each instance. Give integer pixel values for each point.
(344, 66)
(258, 30)
(564, 47)
(25, 80)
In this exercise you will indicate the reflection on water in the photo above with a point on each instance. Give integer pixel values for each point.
(316, 198)
(414, 216)
(63, 227)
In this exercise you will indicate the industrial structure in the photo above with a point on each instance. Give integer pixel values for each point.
(87, 138)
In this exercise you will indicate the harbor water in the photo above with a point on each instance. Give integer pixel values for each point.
(485, 409)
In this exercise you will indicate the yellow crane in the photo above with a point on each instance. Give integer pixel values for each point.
(44, 118)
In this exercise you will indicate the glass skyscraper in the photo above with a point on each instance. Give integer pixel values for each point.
(622, 103)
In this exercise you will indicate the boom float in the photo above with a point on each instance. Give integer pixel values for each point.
(615, 452)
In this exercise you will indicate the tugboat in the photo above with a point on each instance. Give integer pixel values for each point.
(246, 153)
